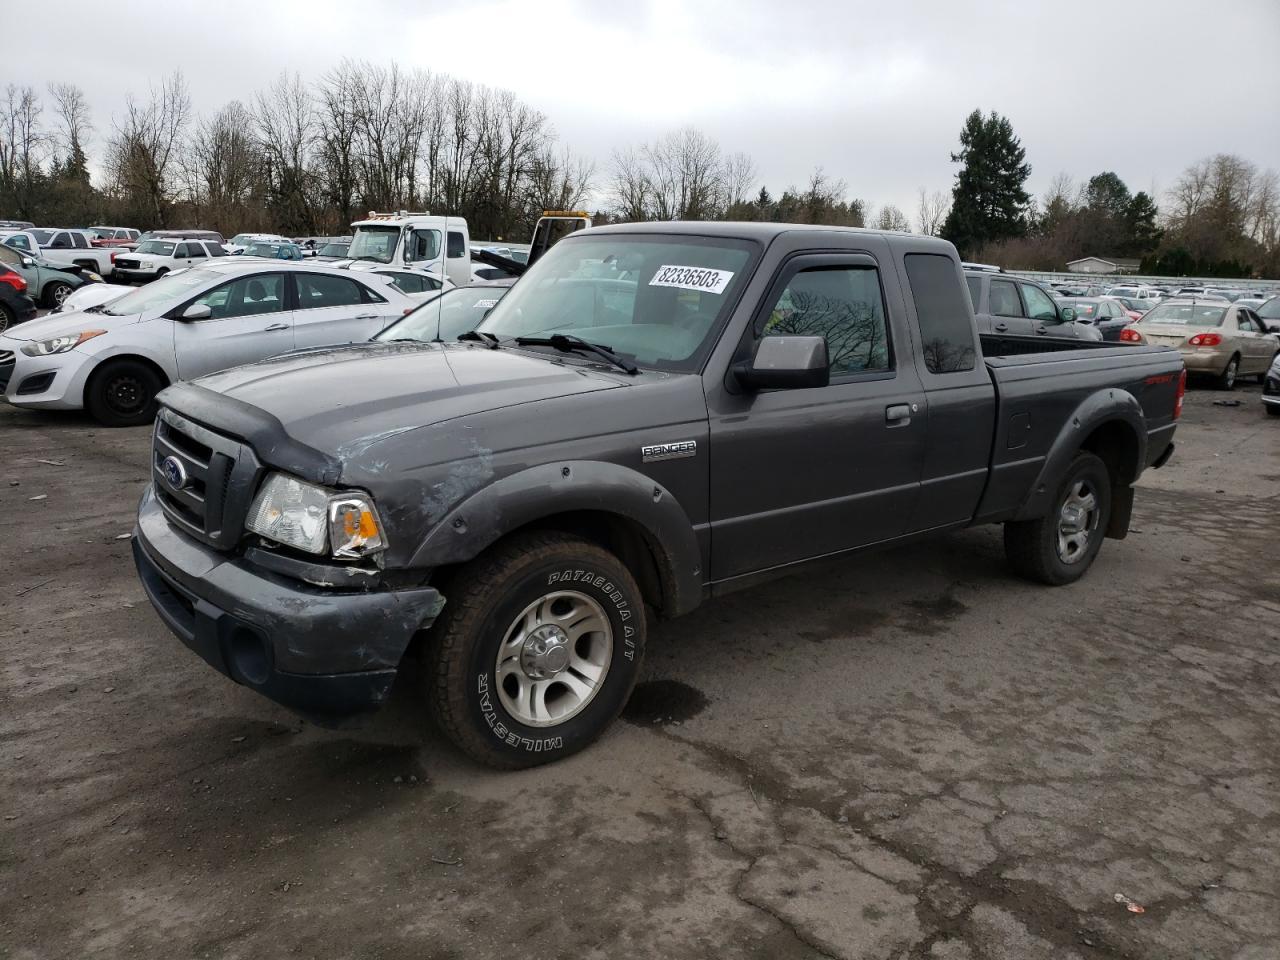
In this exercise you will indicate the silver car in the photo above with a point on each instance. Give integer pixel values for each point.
(1215, 337)
(113, 359)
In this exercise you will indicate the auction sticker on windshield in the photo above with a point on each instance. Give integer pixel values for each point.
(692, 278)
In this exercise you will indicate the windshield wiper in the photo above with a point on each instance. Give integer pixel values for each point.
(567, 343)
(488, 339)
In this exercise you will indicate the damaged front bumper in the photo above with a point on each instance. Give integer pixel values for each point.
(322, 653)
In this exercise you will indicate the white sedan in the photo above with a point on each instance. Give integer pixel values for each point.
(113, 359)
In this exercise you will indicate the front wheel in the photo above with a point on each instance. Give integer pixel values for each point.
(55, 293)
(122, 393)
(1059, 547)
(1227, 379)
(6, 318)
(537, 650)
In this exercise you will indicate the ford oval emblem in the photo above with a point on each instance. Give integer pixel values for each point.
(175, 474)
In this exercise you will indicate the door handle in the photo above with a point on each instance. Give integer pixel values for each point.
(1041, 329)
(1002, 327)
(276, 326)
(366, 316)
(899, 415)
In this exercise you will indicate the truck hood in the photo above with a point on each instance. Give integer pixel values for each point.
(345, 400)
(61, 324)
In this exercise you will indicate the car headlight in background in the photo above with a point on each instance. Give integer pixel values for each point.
(92, 277)
(311, 518)
(47, 348)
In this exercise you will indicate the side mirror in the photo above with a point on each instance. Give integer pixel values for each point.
(28, 262)
(784, 362)
(197, 311)
(1068, 314)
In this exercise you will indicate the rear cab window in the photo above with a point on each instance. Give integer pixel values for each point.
(946, 328)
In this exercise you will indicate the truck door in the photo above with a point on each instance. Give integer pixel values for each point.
(1007, 315)
(806, 472)
(958, 390)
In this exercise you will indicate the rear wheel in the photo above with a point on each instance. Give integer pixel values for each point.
(1059, 547)
(1227, 379)
(537, 650)
(122, 393)
(55, 293)
(6, 318)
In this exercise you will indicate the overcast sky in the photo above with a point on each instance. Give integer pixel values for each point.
(875, 93)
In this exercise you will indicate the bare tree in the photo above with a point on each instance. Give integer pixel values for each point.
(143, 153)
(629, 191)
(285, 123)
(74, 123)
(225, 171)
(932, 211)
(23, 145)
(891, 218)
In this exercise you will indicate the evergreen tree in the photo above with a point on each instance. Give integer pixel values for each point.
(989, 200)
(1140, 222)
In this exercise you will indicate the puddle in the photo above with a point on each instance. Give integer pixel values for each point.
(663, 702)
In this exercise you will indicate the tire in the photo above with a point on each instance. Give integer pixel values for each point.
(160, 273)
(1059, 547)
(1227, 379)
(497, 634)
(55, 292)
(122, 393)
(1273, 410)
(7, 318)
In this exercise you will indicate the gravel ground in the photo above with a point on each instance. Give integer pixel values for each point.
(904, 755)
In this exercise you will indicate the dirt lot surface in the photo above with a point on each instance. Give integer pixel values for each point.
(904, 755)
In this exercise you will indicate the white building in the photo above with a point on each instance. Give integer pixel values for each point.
(1101, 265)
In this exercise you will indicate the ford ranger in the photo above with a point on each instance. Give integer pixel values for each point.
(654, 415)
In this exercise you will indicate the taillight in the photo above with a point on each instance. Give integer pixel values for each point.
(13, 279)
(113, 258)
(1129, 335)
(1205, 340)
(407, 311)
(1182, 392)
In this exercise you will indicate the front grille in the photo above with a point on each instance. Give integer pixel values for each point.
(216, 476)
(123, 263)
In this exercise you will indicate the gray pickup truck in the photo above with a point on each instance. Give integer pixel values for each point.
(654, 415)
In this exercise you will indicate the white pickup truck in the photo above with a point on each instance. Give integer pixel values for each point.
(418, 242)
(64, 248)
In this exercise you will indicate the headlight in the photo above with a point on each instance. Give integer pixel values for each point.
(311, 518)
(145, 265)
(46, 348)
(92, 277)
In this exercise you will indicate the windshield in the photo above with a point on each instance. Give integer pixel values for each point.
(1084, 308)
(1122, 292)
(1188, 314)
(1270, 310)
(374, 243)
(282, 251)
(657, 300)
(334, 250)
(446, 316)
(240, 239)
(168, 290)
(161, 248)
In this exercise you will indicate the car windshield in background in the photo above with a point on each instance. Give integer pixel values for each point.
(161, 248)
(42, 236)
(275, 251)
(241, 239)
(1190, 314)
(1083, 308)
(654, 300)
(374, 243)
(447, 316)
(1270, 310)
(162, 292)
(334, 250)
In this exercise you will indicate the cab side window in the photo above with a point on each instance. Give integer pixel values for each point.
(457, 245)
(1004, 299)
(422, 245)
(1039, 306)
(80, 241)
(946, 325)
(194, 250)
(248, 296)
(60, 241)
(842, 304)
